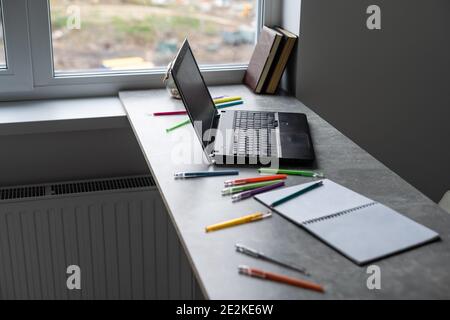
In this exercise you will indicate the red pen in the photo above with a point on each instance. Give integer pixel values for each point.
(242, 181)
(169, 113)
(257, 273)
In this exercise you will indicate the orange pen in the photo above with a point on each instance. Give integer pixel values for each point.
(257, 273)
(238, 182)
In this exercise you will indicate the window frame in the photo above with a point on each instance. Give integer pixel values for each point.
(17, 76)
(45, 84)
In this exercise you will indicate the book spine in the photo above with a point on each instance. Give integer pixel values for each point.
(268, 64)
(280, 67)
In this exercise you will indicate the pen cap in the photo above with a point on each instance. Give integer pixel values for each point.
(246, 250)
(251, 272)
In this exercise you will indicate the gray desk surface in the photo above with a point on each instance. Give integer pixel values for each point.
(194, 204)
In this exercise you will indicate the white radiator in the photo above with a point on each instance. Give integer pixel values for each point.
(116, 230)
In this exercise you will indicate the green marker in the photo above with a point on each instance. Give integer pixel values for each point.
(250, 186)
(303, 173)
(177, 125)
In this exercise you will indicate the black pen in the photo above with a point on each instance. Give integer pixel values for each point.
(259, 255)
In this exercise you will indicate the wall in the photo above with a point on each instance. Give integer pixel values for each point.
(71, 155)
(388, 89)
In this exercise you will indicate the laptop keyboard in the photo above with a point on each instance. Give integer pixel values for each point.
(253, 133)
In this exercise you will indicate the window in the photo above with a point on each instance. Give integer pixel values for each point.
(73, 48)
(113, 35)
(2, 42)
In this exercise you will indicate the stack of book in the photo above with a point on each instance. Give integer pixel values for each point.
(269, 59)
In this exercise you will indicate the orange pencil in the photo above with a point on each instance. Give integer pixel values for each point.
(257, 273)
(242, 181)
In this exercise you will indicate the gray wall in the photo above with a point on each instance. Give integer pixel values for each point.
(388, 90)
(72, 155)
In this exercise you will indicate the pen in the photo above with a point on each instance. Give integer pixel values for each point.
(304, 173)
(238, 182)
(250, 193)
(245, 187)
(181, 112)
(177, 125)
(227, 99)
(185, 122)
(260, 255)
(297, 193)
(169, 113)
(197, 174)
(257, 273)
(228, 104)
(234, 222)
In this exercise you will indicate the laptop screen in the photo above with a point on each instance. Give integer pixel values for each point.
(194, 93)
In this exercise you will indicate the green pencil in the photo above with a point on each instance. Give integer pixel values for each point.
(250, 186)
(304, 173)
(177, 125)
(297, 193)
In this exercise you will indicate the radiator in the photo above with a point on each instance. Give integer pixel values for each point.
(116, 230)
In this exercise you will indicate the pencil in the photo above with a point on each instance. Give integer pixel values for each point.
(170, 113)
(257, 273)
(228, 104)
(227, 99)
(245, 187)
(197, 174)
(178, 124)
(304, 173)
(297, 193)
(237, 182)
(234, 222)
(181, 112)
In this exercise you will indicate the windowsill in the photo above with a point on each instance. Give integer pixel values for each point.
(38, 116)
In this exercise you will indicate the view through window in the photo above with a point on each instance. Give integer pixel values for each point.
(2, 42)
(140, 34)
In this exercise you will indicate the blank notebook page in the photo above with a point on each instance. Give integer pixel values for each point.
(317, 203)
(356, 226)
(371, 233)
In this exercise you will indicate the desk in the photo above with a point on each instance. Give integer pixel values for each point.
(194, 204)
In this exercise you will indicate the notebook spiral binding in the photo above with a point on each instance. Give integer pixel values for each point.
(338, 214)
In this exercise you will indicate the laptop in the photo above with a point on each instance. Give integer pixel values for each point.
(239, 137)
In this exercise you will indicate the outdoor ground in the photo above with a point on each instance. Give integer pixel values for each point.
(120, 29)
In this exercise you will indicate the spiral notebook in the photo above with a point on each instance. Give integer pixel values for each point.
(361, 229)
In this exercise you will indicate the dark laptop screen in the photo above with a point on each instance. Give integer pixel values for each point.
(193, 91)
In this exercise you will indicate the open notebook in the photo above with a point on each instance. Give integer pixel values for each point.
(361, 229)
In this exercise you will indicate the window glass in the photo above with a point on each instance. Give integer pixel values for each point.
(140, 34)
(2, 42)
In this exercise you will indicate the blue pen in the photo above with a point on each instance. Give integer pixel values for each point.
(229, 104)
(198, 174)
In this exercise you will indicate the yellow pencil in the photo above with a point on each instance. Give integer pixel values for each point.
(234, 222)
(226, 99)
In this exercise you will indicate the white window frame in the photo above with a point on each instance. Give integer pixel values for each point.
(18, 73)
(42, 82)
